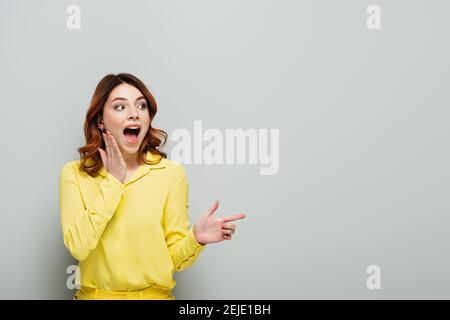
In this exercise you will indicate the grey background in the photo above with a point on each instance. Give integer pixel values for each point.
(363, 118)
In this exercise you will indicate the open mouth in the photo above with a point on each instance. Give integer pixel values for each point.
(131, 135)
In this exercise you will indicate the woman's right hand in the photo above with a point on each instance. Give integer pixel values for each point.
(112, 159)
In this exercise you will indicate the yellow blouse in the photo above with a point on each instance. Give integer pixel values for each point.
(129, 236)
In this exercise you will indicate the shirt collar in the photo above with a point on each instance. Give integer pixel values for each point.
(143, 169)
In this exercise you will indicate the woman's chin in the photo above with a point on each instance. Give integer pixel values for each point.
(129, 148)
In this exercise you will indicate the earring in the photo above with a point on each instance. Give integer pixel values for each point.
(102, 130)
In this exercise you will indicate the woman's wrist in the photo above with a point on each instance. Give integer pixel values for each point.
(197, 238)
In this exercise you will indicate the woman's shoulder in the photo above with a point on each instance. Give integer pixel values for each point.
(173, 165)
(175, 172)
(70, 167)
(71, 164)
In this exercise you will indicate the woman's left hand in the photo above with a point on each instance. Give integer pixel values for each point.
(209, 229)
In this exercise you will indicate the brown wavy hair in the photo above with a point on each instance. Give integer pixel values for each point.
(90, 159)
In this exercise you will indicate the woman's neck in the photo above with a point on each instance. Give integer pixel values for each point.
(132, 160)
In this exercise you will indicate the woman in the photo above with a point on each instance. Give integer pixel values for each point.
(124, 205)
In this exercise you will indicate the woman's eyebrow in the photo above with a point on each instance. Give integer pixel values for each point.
(120, 98)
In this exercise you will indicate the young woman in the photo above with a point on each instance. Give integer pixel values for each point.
(124, 205)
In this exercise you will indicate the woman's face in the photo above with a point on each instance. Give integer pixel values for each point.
(126, 107)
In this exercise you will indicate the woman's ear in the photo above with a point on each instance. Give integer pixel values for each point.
(100, 124)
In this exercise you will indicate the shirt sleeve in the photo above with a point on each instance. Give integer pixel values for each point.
(82, 227)
(183, 247)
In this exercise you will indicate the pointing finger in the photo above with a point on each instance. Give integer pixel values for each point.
(234, 217)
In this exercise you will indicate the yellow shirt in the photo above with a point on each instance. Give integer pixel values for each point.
(129, 236)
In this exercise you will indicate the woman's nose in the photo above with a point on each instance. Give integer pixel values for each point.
(133, 114)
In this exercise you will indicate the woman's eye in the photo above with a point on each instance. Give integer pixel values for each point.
(143, 106)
